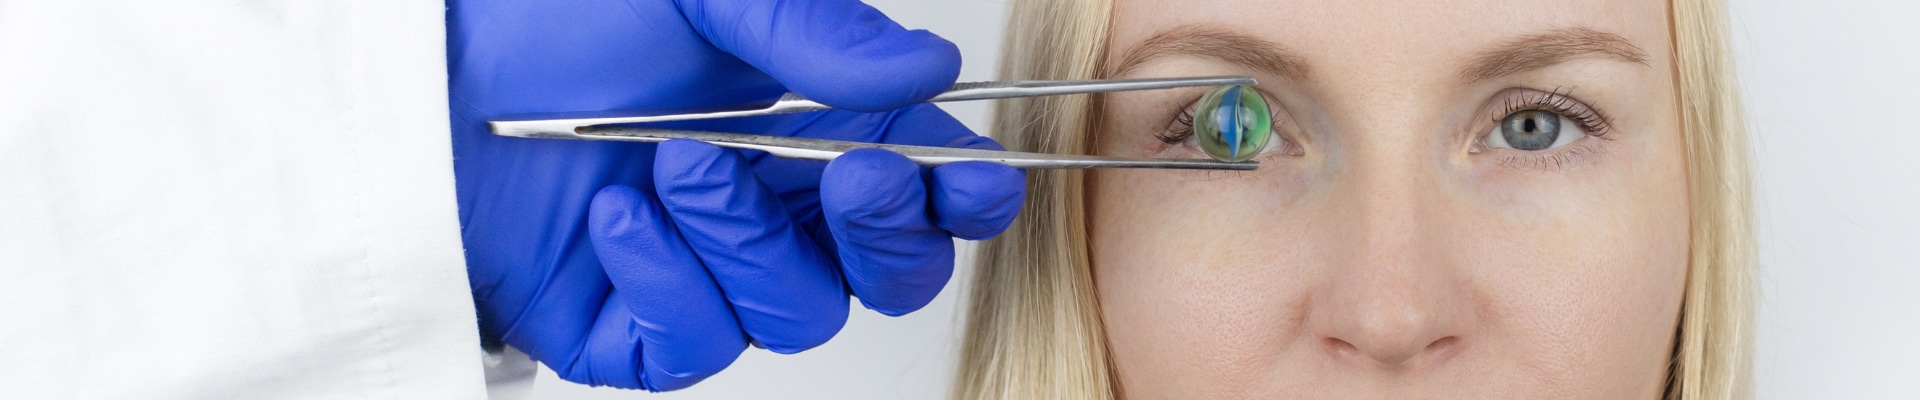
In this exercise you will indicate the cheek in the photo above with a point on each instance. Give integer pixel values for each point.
(1571, 279)
(1582, 274)
(1192, 274)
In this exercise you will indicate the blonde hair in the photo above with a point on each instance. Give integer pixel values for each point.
(1033, 328)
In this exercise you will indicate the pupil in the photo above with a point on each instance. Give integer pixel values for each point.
(1531, 130)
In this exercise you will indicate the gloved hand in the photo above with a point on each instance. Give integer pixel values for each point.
(644, 266)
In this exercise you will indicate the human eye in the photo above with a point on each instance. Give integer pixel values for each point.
(1228, 123)
(1534, 121)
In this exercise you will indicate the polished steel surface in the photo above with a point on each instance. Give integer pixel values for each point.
(594, 126)
(822, 149)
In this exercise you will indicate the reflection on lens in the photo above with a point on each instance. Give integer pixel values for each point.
(1232, 123)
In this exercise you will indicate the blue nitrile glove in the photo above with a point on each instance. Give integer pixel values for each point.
(644, 266)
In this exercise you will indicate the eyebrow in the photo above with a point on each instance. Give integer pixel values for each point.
(1234, 47)
(1541, 50)
(1526, 53)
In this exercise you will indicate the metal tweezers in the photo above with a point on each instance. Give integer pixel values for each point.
(608, 126)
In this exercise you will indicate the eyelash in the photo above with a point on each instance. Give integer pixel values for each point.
(1589, 117)
(1180, 130)
(1182, 127)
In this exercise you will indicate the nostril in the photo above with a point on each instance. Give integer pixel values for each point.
(1393, 313)
(1390, 356)
(1342, 349)
(1441, 349)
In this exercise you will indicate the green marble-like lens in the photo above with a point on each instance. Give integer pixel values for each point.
(1232, 123)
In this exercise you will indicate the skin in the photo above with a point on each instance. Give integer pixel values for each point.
(1386, 251)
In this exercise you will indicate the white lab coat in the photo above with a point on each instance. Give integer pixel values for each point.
(230, 199)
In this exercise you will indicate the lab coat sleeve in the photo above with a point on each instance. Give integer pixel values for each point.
(229, 199)
(510, 374)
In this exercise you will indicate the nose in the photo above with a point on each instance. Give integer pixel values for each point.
(1391, 297)
(1389, 320)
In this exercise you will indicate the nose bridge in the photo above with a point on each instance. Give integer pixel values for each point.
(1385, 181)
(1389, 297)
(1384, 137)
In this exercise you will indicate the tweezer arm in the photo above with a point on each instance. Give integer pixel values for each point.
(822, 149)
(534, 124)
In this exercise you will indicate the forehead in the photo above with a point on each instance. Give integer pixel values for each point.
(1360, 35)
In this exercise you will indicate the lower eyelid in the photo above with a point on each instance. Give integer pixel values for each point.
(1571, 157)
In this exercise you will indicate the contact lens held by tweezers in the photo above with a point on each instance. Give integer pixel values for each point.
(1232, 123)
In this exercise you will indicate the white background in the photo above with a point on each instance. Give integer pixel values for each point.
(1832, 89)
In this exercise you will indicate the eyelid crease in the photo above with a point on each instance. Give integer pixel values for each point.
(1181, 126)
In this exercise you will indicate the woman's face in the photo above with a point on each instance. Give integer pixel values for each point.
(1463, 199)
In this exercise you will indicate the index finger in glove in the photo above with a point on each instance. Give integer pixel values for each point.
(784, 289)
(663, 300)
(875, 205)
(891, 219)
(976, 200)
(970, 200)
